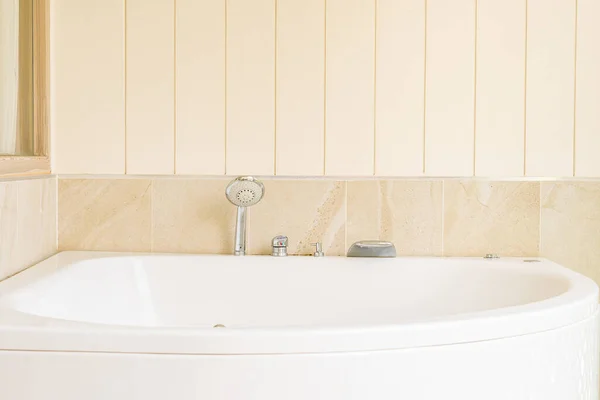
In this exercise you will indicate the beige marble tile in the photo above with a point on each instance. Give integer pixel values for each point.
(407, 213)
(105, 214)
(305, 211)
(571, 225)
(8, 227)
(192, 216)
(27, 223)
(36, 238)
(491, 217)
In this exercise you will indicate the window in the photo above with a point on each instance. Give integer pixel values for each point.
(23, 87)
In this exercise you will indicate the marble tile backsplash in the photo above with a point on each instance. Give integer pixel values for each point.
(558, 220)
(570, 225)
(28, 227)
(491, 217)
(407, 213)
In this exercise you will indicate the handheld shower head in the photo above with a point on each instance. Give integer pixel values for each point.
(245, 191)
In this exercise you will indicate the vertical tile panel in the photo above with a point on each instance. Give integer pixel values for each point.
(450, 91)
(300, 87)
(500, 104)
(150, 87)
(550, 87)
(200, 94)
(587, 112)
(400, 90)
(251, 87)
(88, 84)
(350, 83)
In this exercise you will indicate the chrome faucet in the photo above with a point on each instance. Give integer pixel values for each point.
(318, 249)
(243, 192)
(280, 246)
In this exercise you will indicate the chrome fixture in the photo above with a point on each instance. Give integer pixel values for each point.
(491, 256)
(243, 192)
(318, 249)
(372, 248)
(280, 246)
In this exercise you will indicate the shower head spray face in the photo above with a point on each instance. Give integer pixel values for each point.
(245, 191)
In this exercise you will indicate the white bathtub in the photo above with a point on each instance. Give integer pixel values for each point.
(100, 326)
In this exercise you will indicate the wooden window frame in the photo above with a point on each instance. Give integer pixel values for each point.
(39, 163)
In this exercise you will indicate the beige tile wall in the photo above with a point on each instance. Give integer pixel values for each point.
(491, 217)
(570, 225)
(28, 228)
(558, 220)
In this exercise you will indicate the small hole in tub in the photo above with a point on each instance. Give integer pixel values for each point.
(219, 326)
(531, 261)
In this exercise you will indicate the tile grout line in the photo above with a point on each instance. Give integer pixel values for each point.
(174, 87)
(325, 89)
(57, 241)
(125, 82)
(425, 88)
(349, 178)
(346, 218)
(275, 92)
(475, 65)
(225, 88)
(525, 89)
(541, 221)
(575, 89)
(152, 194)
(443, 214)
(376, 3)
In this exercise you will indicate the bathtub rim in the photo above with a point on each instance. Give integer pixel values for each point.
(21, 331)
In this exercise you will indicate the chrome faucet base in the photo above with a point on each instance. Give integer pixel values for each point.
(318, 249)
(280, 252)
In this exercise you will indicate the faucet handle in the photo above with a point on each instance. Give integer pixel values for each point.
(280, 241)
(279, 246)
(319, 249)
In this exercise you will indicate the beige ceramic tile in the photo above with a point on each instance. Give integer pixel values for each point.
(192, 216)
(491, 217)
(571, 225)
(8, 227)
(27, 223)
(36, 238)
(305, 211)
(104, 214)
(407, 213)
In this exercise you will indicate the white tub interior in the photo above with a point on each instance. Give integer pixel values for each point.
(256, 292)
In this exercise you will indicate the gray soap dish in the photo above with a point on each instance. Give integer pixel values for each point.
(372, 248)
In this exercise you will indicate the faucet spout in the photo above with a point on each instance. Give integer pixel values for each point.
(240, 232)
